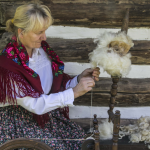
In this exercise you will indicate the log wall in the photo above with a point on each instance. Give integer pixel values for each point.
(96, 14)
(87, 13)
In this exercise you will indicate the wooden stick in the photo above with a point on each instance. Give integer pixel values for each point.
(96, 136)
(112, 98)
(125, 21)
(116, 130)
(95, 121)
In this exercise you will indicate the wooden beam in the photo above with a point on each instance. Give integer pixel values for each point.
(89, 13)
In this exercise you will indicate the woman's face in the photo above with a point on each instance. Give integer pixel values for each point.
(33, 40)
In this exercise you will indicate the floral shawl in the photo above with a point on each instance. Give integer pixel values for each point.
(15, 72)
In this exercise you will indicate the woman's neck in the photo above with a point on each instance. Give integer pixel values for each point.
(29, 50)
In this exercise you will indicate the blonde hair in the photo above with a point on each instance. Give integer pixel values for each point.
(30, 17)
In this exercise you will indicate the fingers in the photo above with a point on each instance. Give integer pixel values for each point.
(96, 78)
(89, 88)
(89, 70)
(91, 84)
(96, 73)
(88, 82)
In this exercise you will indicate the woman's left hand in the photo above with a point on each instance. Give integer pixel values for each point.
(93, 73)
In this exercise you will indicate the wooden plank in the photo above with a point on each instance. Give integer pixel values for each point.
(122, 100)
(77, 50)
(125, 85)
(88, 13)
(131, 92)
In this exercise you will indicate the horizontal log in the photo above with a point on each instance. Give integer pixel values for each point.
(125, 85)
(131, 92)
(122, 100)
(87, 13)
(77, 50)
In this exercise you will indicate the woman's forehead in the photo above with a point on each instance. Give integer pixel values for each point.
(40, 29)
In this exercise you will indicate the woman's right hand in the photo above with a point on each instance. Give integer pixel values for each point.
(85, 85)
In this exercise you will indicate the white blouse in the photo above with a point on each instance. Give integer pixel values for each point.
(41, 64)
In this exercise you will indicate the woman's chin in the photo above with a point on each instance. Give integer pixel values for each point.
(38, 45)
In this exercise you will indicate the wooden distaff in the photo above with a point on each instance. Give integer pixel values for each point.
(116, 79)
(115, 118)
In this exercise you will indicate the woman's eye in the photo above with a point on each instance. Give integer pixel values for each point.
(39, 33)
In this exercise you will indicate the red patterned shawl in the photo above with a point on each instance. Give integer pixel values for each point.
(14, 72)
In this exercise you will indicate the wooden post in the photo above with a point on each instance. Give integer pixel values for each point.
(95, 121)
(112, 98)
(96, 136)
(125, 21)
(116, 130)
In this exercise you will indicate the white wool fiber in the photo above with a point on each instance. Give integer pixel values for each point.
(112, 63)
(138, 132)
(106, 130)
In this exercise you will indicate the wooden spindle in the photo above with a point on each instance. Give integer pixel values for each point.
(116, 130)
(125, 21)
(97, 138)
(95, 121)
(112, 98)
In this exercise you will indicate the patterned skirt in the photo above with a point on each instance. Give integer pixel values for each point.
(16, 122)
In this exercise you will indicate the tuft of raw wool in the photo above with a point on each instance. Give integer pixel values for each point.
(139, 131)
(106, 129)
(111, 53)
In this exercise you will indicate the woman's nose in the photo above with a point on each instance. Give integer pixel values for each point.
(43, 37)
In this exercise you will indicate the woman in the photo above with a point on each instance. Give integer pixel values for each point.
(35, 93)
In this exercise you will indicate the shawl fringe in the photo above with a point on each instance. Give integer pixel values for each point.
(10, 82)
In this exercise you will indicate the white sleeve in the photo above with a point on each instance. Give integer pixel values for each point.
(72, 83)
(46, 103)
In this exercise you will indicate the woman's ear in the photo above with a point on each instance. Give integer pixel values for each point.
(20, 33)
